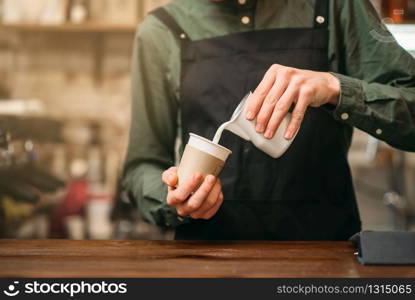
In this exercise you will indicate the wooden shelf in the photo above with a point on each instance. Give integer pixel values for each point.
(77, 28)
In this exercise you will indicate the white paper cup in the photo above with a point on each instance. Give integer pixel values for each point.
(201, 156)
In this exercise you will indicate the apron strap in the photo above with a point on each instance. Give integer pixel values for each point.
(170, 22)
(321, 11)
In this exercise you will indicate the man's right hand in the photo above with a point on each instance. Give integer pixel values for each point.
(200, 198)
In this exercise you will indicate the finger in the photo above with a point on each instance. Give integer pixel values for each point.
(298, 114)
(210, 213)
(258, 97)
(270, 101)
(209, 202)
(184, 190)
(199, 196)
(169, 176)
(280, 110)
(195, 204)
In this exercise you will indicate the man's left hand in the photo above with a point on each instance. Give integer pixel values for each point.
(280, 88)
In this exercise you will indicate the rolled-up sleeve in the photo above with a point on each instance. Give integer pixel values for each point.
(377, 80)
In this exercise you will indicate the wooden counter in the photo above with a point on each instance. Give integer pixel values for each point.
(65, 258)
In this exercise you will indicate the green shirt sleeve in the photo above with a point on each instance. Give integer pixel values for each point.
(378, 88)
(153, 123)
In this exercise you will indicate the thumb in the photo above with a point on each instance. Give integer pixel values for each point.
(169, 176)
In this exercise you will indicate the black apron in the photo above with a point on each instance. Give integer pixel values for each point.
(307, 194)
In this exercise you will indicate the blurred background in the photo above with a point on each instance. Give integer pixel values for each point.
(64, 117)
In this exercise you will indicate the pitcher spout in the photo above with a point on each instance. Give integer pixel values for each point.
(236, 129)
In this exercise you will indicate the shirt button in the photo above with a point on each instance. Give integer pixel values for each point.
(344, 116)
(320, 19)
(182, 36)
(379, 131)
(245, 20)
(241, 2)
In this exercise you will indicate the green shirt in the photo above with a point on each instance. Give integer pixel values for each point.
(377, 81)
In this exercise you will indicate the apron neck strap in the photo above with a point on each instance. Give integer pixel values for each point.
(170, 22)
(321, 11)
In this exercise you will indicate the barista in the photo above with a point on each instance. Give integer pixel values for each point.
(195, 60)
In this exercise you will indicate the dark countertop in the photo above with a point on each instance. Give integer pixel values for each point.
(69, 258)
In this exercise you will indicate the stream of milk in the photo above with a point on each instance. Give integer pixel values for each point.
(218, 133)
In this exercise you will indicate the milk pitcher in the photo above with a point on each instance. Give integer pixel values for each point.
(241, 126)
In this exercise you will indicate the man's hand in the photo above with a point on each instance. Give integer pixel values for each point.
(199, 198)
(280, 88)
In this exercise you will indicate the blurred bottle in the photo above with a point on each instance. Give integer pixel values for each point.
(396, 10)
(78, 13)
